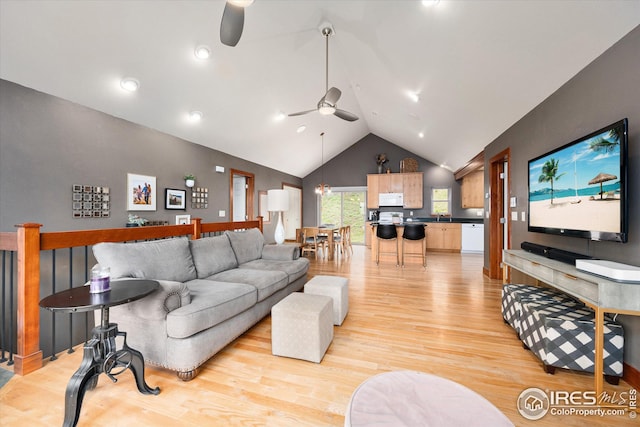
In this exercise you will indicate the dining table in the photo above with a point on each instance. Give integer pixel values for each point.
(328, 231)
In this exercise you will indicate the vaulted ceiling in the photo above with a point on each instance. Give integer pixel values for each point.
(476, 67)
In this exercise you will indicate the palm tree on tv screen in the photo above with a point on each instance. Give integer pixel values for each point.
(550, 173)
(606, 145)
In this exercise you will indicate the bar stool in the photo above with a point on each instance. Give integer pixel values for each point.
(386, 232)
(415, 232)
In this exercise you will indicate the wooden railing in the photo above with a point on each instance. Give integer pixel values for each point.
(28, 242)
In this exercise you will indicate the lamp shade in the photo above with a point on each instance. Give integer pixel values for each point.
(277, 200)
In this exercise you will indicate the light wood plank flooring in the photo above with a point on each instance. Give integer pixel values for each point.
(444, 320)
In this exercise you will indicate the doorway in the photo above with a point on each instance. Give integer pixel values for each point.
(241, 186)
(292, 218)
(499, 211)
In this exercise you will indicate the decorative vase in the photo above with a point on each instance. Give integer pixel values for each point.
(379, 168)
(189, 183)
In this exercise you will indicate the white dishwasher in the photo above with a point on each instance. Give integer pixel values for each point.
(472, 238)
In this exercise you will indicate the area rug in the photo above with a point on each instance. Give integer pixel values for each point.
(5, 376)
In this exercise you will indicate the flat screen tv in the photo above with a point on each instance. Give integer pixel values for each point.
(580, 189)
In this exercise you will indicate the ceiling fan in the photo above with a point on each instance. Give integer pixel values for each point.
(233, 21)
(327, 104)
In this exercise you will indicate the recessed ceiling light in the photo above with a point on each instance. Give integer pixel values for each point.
(202, 52)
(241, 3)
(280, 116)
(430, 3)
(421, 135)
(301, 129)
(414, 96)
(195, 116)
(130, 84)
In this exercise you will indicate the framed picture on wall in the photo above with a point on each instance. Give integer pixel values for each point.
(262, 207)
(141, 192)
(183, 219)
(175, 199)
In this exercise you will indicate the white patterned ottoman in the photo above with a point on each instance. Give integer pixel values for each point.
(562, 336)
(302, 326)
(335, 287)
(513, 294)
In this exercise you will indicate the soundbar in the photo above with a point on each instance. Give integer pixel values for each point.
(553, 253)
(534, 248)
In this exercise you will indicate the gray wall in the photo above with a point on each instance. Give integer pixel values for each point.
(605, 91)
(47, 144)
(350, 168)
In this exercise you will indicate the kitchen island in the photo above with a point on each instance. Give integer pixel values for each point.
(442, 235)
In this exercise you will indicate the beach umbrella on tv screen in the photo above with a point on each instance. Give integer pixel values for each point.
(600, 178)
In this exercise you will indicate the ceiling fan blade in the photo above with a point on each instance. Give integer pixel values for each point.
(232, 24)
(345, 115)
(300, 113)
(332, 96)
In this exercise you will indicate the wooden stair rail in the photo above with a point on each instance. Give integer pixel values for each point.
(28, 357)
(28, 241)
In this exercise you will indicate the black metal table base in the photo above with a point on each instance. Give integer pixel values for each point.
(102, 356)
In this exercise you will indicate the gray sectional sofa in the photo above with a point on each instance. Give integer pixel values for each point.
(212, 290)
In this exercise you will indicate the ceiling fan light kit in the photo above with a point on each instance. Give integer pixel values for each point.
(327, 104)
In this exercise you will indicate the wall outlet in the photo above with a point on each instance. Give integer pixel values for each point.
(222, 213)
(220, 169)
(479, 212)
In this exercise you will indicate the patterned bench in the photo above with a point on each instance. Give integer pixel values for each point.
(560, 331)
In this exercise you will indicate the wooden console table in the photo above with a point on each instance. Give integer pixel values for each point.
(600, 294)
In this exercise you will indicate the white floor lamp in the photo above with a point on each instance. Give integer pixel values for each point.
(278, 201)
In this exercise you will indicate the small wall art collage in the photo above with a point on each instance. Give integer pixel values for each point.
(199, 198)
(90, 201)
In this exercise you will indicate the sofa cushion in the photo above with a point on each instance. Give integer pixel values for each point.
(266, 282)
(247, 245)
(167, 259)
(211, 303)
(212, 255)
(294, 269)
(281, 252)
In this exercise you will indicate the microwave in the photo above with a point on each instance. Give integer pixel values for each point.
(390, 199)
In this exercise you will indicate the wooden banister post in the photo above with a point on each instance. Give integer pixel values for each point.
(29, 354)
(197, 228)
(260, 222)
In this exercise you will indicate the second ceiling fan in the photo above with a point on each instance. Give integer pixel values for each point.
(327, 104)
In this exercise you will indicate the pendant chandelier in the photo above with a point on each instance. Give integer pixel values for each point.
(322, 188)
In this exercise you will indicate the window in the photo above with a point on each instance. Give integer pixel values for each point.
(440, 201)
(345, 206)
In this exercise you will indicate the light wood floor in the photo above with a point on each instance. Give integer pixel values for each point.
(445, 321)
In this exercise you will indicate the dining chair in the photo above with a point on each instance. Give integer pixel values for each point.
(313, 241)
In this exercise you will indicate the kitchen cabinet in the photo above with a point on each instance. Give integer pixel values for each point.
(472, 190)
(410, 184)
(412, 189)
(444, 236)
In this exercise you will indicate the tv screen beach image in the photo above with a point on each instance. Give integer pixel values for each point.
(578, 187)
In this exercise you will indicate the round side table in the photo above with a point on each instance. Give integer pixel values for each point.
(101, 354)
